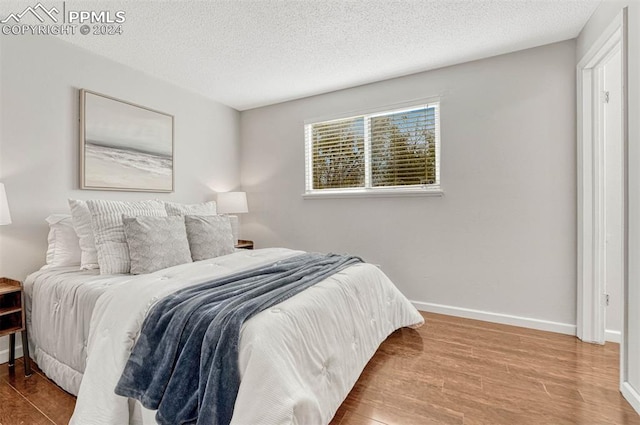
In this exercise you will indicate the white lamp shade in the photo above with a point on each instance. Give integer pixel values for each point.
(5, 215)
(232, 203)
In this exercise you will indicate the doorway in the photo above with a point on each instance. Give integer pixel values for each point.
(601, 190)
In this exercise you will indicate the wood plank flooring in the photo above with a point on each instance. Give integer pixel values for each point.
(450, 371)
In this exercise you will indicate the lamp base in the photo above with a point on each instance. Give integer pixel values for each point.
(234, 228)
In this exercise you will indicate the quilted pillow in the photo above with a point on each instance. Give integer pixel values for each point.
(205, 208)
(108, 229)
(209, 236)
(81, 217)
(156, 243)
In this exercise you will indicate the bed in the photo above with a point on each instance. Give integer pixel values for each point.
(298, 360)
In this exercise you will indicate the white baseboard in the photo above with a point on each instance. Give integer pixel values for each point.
(505, 319)
(631, 395)
(612, 336)
(4, 354)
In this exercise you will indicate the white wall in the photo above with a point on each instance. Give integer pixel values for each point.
(39, 82)
(40, 78)
(633, 288)
(501, 239)
(602, 17)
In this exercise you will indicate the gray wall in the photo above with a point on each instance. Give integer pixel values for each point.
(40, 78)
(500, 240)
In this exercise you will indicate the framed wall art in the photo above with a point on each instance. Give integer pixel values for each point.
(124, 146)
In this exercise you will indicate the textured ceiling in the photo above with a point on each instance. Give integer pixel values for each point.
(252, 53)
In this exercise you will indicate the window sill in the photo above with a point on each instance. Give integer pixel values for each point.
(372, 193)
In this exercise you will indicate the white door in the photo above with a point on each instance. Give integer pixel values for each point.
(601, 197)
(611, 97)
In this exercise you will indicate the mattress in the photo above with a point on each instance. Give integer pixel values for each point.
(298, 360)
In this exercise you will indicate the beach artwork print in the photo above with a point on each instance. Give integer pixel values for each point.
(124, 146)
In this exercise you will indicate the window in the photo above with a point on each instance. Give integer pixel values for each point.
(390, 152)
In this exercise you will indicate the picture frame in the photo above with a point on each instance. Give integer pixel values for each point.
(124, 146)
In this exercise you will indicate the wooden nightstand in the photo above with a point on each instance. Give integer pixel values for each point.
(243, 244)
(12, 319)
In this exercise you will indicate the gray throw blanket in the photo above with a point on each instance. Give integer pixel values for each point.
(185, 362)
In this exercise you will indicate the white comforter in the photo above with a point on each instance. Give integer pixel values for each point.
(60, 304)
(298, 359)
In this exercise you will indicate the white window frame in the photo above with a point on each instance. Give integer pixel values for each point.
(370, 191)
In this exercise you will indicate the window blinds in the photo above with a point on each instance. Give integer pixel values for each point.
(392, 149)
(338, 154)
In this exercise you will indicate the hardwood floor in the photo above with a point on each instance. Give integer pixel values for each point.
(450, 371)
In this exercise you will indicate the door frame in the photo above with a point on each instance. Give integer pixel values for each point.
(590, 318)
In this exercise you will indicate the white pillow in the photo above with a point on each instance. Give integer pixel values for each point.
(204, 208)
(108, 229)
(81, 218)
(64, 245)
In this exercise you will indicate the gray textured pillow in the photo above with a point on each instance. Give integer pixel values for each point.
(209, 236)
(205, 208)
(156, 243)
